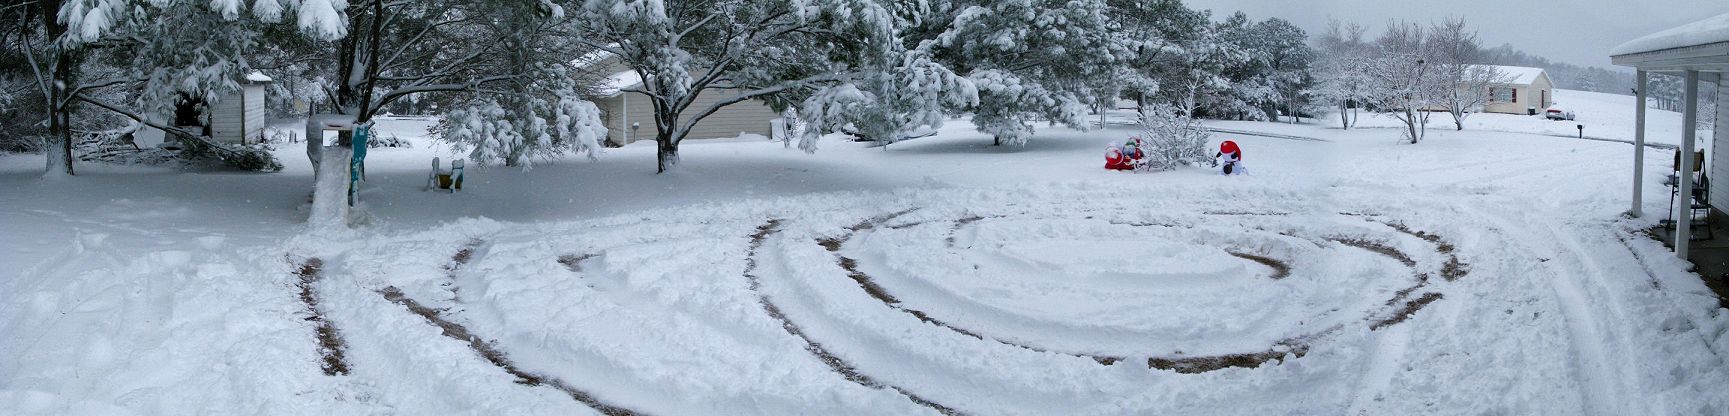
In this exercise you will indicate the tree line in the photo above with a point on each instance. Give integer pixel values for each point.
(507, 74)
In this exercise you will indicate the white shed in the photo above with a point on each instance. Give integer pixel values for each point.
(236, 117)
(1697, 52)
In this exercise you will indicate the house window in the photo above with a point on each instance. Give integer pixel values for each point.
(1502, 95)
(1515, 94)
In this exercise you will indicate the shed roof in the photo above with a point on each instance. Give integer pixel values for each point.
(1703, 32)
(614, 84)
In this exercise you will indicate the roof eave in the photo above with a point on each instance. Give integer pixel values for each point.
(1712, 57)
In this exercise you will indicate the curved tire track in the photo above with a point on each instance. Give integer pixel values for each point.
(839, 366)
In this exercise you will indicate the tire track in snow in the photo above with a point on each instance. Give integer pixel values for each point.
(1290, 348)
(330, 345)
(492, 355)
(845, 369)
(1453, 269)
(485, 349)
(1600, 373)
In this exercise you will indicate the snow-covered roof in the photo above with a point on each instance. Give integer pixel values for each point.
(614, 84)
(593, 57)
(1703, 32)
(256, 76)
(1520, 75)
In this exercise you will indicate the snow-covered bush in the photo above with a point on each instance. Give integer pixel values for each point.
(1171, 138)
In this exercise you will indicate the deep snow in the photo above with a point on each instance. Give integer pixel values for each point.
(1469, 274)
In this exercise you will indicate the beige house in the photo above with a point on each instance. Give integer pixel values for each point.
(629, 116)
(1529, 91)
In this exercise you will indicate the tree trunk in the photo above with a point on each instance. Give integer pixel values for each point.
(1411, 123)
(998, 140)
(667, 153)
(1344, 115)
(59, 101)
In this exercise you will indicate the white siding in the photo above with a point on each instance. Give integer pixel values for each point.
(238, 116)
(751, 116)
(254, 112)
(226, 118)
(1719, 171)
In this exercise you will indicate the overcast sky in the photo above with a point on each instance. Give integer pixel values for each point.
(1574, 31)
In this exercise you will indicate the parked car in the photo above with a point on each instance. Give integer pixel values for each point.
(1558, 113)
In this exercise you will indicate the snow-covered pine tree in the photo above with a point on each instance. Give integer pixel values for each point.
(545, 118)
(904, 100)
(1288, 61)
(1031, 60)
(540, 114)
(1243, 62)
(735, 49)
(1154, 33)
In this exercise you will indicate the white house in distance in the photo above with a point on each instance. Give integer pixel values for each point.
(238, 117)
(629, 116)
(1528, 91)
(1698, 52)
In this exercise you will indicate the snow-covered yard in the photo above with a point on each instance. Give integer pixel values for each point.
(1480, 272)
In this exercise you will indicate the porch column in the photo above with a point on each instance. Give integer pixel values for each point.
(1639, 148)
(1689, 129)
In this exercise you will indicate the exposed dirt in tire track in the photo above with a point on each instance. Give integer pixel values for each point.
(1197, 365)
(1452, 269)
(1377, 247)
(1411, 307)
(330, 345)
(836, 364)
(492, 355)
(1280, 268)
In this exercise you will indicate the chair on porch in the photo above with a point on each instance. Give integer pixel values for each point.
(1699, 206)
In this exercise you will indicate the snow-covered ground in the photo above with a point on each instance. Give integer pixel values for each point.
(1605, 116)
(1469, 274)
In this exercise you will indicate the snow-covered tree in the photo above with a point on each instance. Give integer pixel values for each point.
(138, 57)
(1288, 62)
(1244, 64)
(904, 101)
(1173, 138)
(540, 114)
(737, 50)
(1031, 60)
(1458, 61)
(1403, 79)
(1342, 69)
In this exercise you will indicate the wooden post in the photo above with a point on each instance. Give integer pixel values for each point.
(1639, 148)
(1689, 129)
